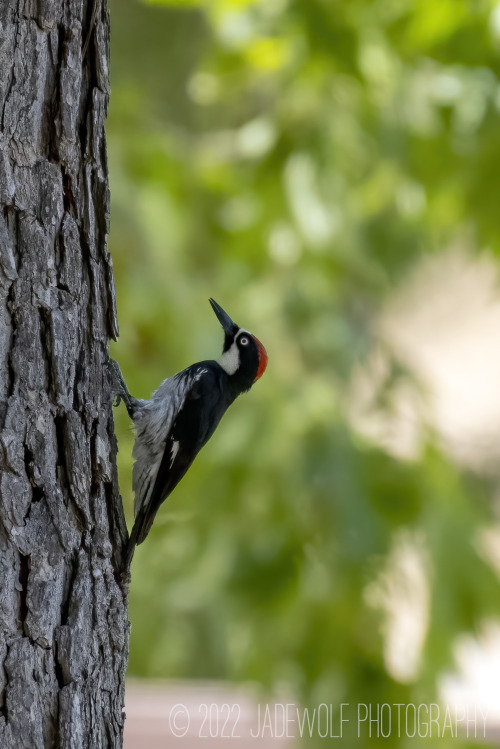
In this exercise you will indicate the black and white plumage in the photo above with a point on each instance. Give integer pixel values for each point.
(181, 416)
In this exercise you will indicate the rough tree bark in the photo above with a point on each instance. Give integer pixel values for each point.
(63, 614)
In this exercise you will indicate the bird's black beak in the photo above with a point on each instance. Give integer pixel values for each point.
(230, 328)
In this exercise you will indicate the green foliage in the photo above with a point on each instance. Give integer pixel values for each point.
(294, 160)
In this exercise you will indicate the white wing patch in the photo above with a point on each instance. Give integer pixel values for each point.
(230, 359)
(174, 451)
(153, 422)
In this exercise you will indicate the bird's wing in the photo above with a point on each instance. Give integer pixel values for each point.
(153, 423)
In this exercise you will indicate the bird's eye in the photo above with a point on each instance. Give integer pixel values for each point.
(244, 340)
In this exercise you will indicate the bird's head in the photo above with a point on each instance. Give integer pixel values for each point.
(244, 358)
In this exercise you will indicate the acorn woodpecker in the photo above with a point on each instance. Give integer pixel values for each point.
(181, 416)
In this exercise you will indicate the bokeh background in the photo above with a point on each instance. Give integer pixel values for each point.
(328, 171)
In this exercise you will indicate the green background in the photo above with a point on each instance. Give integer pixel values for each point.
(295, 159)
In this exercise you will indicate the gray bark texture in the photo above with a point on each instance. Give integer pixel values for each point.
(63, 606)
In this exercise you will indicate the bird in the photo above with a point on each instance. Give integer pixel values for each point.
(181, 416)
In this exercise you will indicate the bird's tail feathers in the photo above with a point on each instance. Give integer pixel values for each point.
(142, 526)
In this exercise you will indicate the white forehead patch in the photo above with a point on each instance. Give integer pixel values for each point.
(230, 359)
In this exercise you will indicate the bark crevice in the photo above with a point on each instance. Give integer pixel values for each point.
(24, 571)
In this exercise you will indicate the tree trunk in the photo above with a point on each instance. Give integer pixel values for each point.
(63, 614)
